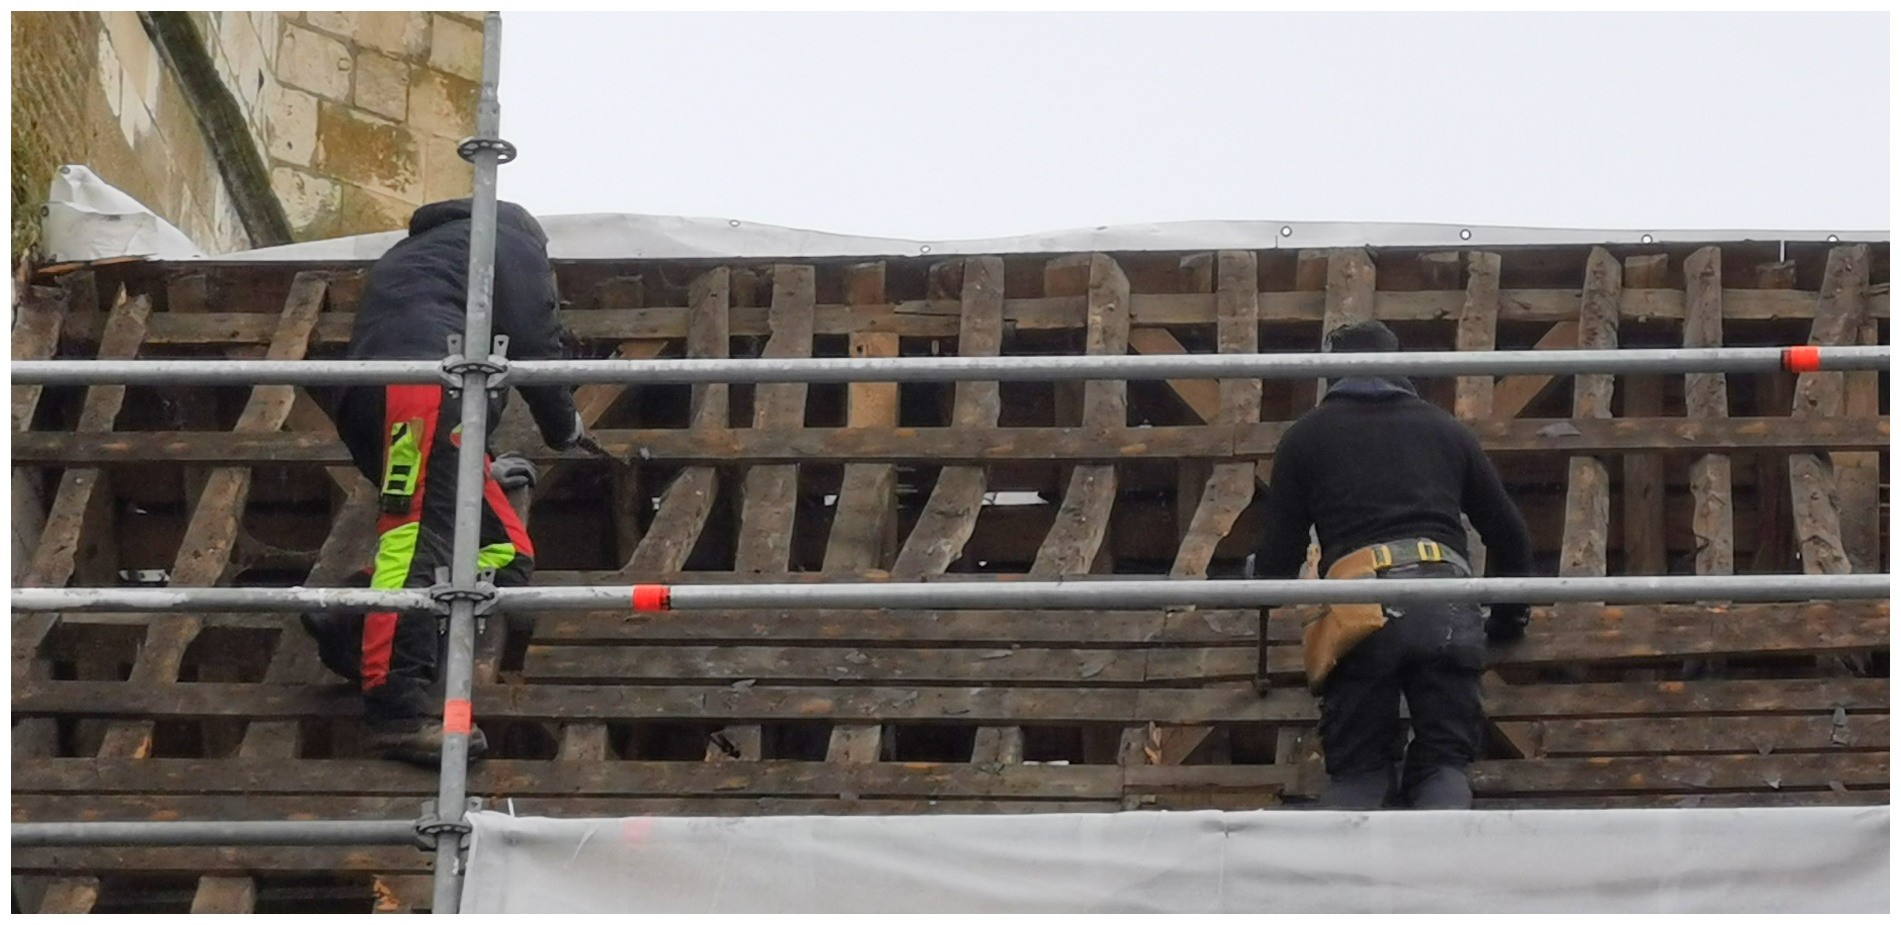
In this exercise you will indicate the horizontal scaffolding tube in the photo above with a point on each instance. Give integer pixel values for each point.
(1085, 594)
(1163, 593)
(958, 369)
(174, 833)
(215, 600)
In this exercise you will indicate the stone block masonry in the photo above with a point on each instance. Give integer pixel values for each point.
(353, 115)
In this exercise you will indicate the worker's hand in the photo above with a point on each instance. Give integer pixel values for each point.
(511, 471)
(1507, 622)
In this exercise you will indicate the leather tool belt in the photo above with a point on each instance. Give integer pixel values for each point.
(1328, 637)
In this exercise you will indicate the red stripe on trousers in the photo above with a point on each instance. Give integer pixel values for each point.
(400, 403)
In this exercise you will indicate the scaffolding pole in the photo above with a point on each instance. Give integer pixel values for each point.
(295, 832)
(1661, 361)
(1095, 593)
(485, 150)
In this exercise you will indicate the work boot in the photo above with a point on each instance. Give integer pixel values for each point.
(422, 744)
(1441, 787)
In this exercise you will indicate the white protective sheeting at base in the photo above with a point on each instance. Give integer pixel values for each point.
(1824, 859)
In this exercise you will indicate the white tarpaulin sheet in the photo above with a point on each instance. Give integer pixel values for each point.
(1824, 859)
(87, 218)
(613, 236)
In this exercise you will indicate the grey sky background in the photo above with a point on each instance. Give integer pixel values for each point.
(940, 126)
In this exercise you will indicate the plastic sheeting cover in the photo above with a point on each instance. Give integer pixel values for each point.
(615, 236)
(1824, 859)
(89, 219)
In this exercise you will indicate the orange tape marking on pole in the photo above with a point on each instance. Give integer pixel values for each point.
(457, 717)
(651, 598)
(1802, 359)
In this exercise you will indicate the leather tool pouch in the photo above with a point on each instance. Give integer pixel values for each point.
(1330, 636)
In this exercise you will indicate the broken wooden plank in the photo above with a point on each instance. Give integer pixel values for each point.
(950, 515)
(1838, 316)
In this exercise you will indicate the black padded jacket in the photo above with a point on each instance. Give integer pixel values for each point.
(1375, 463)
(417, 296)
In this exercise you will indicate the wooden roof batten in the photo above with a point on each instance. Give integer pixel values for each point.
(228, 716)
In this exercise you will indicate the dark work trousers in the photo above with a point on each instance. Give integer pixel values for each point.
(404, 439)
(1431, 654)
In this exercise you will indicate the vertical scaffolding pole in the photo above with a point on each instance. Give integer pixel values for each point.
(485, 151)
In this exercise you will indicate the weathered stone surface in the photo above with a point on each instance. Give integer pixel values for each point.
(315, 62)
(445, 174)
(456, 46)
(340, 25)
(382, 84)
(239, 54)
(400, 34)
(367, 152)
(367, 211)
(290, 126)
(309, 201)
(442, 104)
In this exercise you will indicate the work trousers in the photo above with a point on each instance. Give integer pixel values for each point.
(1432, 655)
(404, 439)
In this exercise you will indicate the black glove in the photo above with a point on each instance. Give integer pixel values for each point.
(511, 471)
(1507, 622)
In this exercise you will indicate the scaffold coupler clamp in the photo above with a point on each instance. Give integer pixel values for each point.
(431, 827)
(458, 364)
(469, 147)
(445, 595)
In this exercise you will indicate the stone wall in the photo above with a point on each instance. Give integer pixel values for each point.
(358, 114)
(90, 88)
(354, 116)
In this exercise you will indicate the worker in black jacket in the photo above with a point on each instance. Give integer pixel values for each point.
(404, 439)
(1382, 476)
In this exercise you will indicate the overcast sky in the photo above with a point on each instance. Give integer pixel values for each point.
(983, 125)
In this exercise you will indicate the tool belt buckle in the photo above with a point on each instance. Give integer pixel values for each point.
(1382, 557)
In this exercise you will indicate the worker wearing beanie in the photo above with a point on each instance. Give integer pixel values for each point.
(1382, 477)
(404, 439)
